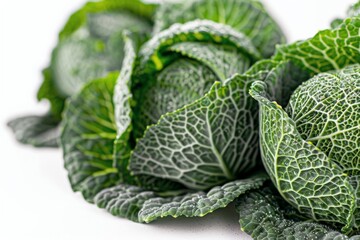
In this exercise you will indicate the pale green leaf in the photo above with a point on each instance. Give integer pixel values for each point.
(223, 60)
(76, 62)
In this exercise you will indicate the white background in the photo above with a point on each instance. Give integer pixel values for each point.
(36, 201)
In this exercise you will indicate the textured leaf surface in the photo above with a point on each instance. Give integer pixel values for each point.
(170, 73)
(265, 215)
(223, 60)
(194, 31)
(75, 62)
(123, 112)
(146, 206)
(180, 83)
(246, 16)
(104, 24)
(39, 131)
(122, 109)
(355, 183)
(90, 47)
(328, 50)
(326, 112)
(88, 136)
(166, 74)
(281, 78)
(204, 144)
(302, 173)
(80, 17)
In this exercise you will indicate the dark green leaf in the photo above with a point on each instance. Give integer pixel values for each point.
(140, 205)
(48, 91)
(265, 215)
(39, 131)
(205, 143)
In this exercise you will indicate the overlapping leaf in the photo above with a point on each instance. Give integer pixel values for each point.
(181, 81)
(206, 143)
(328, 50)
(265, 215)
(246, 16)
(88, 135)
(141, 205)
(39, 131)
(304, 175)
(331, 116)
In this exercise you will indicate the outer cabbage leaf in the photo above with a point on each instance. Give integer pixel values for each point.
(265, 215)
(328, 50)
(39, 131)
(203, 144)
(246, 16)
(140, 205)
(77, 61)
(80, 17)
(122, 109)
(48, 91)
(87, 139)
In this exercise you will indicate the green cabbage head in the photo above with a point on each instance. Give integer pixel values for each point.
(311, 149)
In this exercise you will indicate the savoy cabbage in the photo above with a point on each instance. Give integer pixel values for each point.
(179, 109)
(176, 132)
(309, 138)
